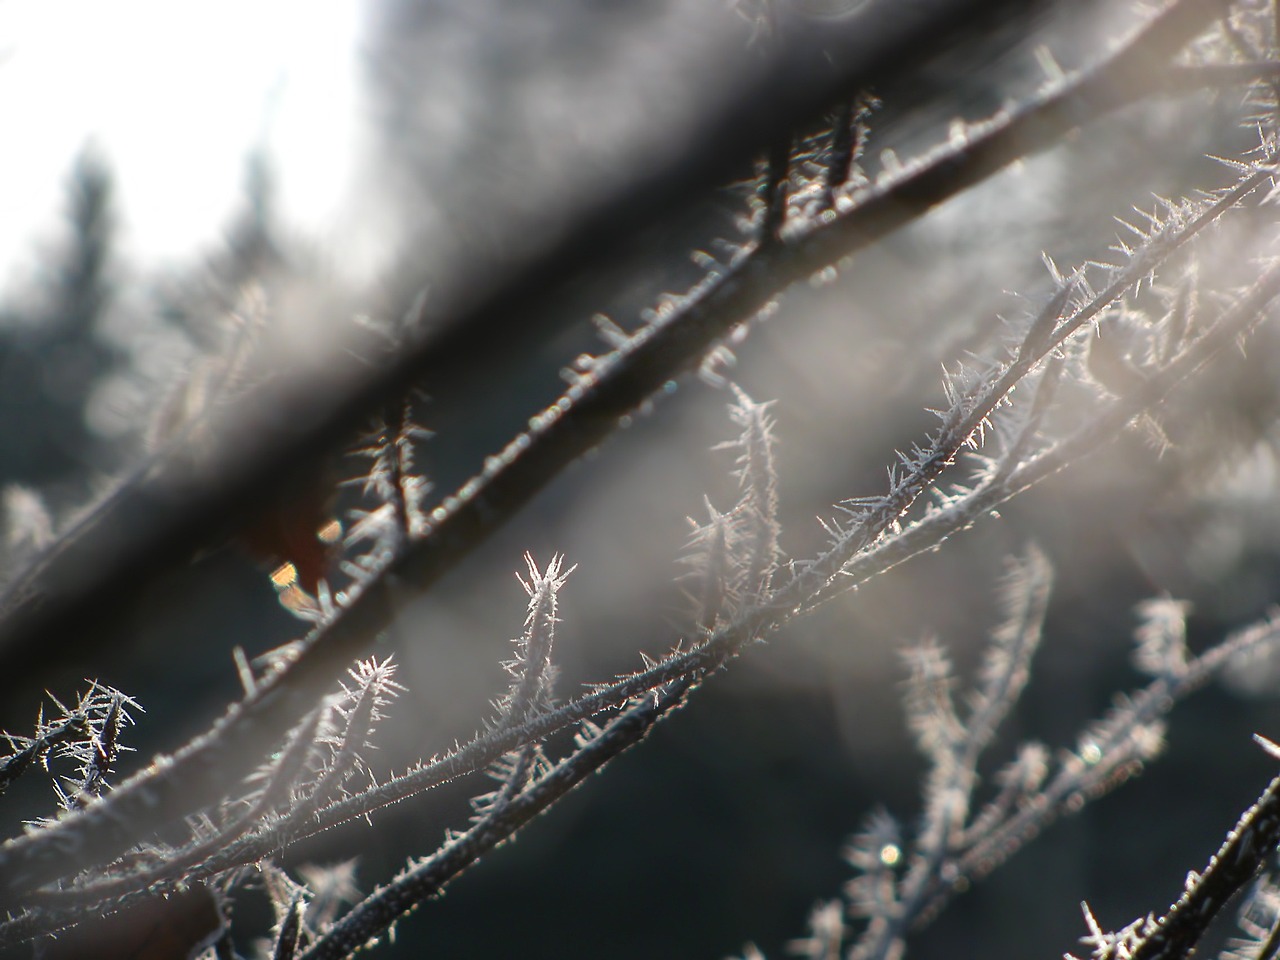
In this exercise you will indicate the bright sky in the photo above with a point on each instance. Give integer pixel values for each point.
(174, 92)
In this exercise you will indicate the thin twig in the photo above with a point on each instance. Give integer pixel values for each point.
(426, 879)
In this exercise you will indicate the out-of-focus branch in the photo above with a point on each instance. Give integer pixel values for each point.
(96, 573)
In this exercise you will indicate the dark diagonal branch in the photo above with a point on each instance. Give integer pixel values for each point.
(1177, 934)
(95, 574)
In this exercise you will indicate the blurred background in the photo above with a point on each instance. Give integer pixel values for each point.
(341, 158)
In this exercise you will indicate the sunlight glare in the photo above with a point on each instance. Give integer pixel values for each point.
(174, 95)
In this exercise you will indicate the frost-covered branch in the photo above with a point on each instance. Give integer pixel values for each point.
(1176, 934)
(423, 880)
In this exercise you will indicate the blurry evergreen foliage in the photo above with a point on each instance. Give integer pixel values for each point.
(52, 345)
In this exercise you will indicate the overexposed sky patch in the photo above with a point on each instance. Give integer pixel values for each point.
(174, 94)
